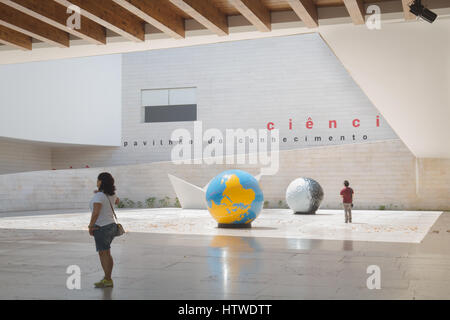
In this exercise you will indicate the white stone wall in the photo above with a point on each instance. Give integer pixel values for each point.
(383, 174)
(243, 84)
(18, 156)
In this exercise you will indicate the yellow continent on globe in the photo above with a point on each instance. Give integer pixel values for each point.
(235, 203)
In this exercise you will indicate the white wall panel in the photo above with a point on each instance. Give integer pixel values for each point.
(73, 101)
(404, 69)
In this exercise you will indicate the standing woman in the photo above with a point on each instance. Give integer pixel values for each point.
(103, 226)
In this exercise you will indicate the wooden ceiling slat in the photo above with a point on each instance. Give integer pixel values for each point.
(255, 12)
(56, 15)
(227, 7)
(306, 11)
(205, 13)
(20, 22)
(112, 16)
(158, 14)
(15, 39)
(356, 10)
(408, 15)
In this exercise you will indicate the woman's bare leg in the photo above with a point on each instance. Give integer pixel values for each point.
(107, 263)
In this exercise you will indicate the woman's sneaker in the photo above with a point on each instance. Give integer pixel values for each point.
(104, 284)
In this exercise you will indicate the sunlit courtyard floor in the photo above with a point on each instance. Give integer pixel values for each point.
(176, 254)
(392, 226)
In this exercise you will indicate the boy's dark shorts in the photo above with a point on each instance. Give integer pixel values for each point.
(104, 236)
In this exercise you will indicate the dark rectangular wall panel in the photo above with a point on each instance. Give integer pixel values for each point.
(171, 113)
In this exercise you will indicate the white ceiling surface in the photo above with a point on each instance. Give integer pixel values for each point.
(404, 69)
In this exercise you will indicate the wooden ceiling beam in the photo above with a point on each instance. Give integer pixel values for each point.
(306, 10)
(255, 12)
(32, 27)
(408, 15)
(158, 14)
(206, 13)
(112, 16)
(56, 15)
(15, 39)
(356, 10)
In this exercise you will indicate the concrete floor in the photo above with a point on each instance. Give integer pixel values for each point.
(33, 265)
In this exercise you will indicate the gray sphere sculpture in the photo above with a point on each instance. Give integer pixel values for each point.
(304, 195)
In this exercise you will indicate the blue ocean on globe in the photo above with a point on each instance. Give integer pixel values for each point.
(234, 197)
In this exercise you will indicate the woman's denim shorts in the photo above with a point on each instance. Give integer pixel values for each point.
(104, 236)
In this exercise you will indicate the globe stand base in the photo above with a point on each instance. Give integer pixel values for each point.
(311, 212)
(234, 226)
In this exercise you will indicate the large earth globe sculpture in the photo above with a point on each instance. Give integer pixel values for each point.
(304, 195)
(234, 199)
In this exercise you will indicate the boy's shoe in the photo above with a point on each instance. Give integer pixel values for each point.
(104, 284)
